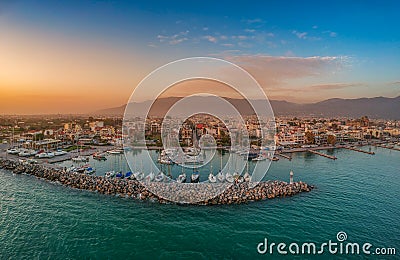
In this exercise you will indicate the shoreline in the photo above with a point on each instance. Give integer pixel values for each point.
(130, 188)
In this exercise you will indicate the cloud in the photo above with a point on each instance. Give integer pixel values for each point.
(393, 83)
(240, 37)
(275, 70)
(227, 44)
(315, 27)
(300, 35)
(173, 39)
(254, 21)
(292, 77)
(333, 86)
(177, 41)
(250, 30)
(330, 33)
(210, 38)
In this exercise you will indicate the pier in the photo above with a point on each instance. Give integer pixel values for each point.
(387, 147)
(358, 150)
(322, 154)
(284, 156)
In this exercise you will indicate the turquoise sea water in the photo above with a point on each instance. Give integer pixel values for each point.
(357, 194)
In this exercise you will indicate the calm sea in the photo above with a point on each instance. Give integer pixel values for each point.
(357, 194)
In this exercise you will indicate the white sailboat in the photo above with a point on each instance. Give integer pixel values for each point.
(247, 176)
(211, 177)
(160, 177)
(220, 175)
(182, 177)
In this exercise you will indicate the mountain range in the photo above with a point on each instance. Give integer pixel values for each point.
(377, 107)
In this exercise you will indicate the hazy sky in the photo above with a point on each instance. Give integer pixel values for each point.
(81, 56)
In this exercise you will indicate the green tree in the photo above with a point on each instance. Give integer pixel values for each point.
(310, 137)
(331, 139)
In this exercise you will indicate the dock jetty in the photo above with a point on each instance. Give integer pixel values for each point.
(358, 150)
(284, 156)
(322, 154)
(387, 147)
(131, 188)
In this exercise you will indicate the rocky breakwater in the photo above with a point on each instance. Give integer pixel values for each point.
(131, 188)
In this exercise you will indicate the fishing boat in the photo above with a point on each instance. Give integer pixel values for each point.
(80, 158)
(259, 158)
(181, 178)
(89, 170)
(160, 177)
(110, 174)
(81, 169)
(188, 159)
(195, 178)
(138, 176)
(99, 156)
(24, 153)
(71, 169)
(119, 175)
(247, 177)
(212, 178)
(129, 175)
(33, 152)
(60, 153)
(45, 155)
(116, 151)
(252, 155)
(229, 177)
(220, 176)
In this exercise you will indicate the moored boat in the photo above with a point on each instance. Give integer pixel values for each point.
(60, 153)
(80, 159)
(129, 175)
(181, 178)
(13, 151)
(90, 170)
(229, 177)
(99, 156)
(160, 177)
(220, 176)
(247, 177)
(110, 174)
(195, 178)
(138, 176)
(212, 178)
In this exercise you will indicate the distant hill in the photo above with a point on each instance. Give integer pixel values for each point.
(377, 107)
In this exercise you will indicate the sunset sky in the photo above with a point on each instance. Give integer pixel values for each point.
(81, 56)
